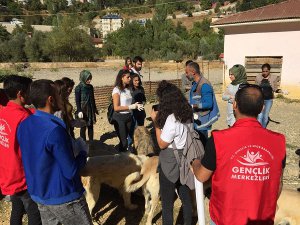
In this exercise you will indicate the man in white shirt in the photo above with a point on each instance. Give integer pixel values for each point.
(137, 65)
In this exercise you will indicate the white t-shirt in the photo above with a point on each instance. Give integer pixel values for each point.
(174, 130)
(125, 97)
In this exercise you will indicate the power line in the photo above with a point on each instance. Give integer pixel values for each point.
(104, 10)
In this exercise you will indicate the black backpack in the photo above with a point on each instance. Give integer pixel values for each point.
(110, 112)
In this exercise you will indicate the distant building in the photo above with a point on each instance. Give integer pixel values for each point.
(110, 23)
(268, 34)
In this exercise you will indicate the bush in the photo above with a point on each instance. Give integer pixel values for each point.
(6, 73)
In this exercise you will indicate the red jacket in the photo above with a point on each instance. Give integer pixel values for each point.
(12, 177)
(246, 181)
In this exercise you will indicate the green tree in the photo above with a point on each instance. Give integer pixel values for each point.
(54, 6)
(205, 4)
(68, 42)
(34, 47)
(34, 5)
(15, 47)
(217, 9)
(4, 35)
(201, 29)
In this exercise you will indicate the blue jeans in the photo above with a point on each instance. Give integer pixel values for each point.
(71, 213)
(21, 203)
(263, 117)
(167, 194)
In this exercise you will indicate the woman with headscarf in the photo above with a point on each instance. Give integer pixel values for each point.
(237, 75)
(85, 103)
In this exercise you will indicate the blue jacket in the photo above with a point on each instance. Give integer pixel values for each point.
(206, 101)
(51, 170)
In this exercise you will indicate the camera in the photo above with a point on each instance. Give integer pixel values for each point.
(155, 107)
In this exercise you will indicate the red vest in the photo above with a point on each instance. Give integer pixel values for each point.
(12, 177)
(246, 181)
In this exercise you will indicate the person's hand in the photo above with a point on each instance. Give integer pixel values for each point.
(140, 107)
(80, 115)
(284, 92)
(153, 115)
(133, 106)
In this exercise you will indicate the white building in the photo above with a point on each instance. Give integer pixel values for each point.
(268, 34)
(110, 23)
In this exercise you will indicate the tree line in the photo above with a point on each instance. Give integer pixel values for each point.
(160, 39)
(66, 42)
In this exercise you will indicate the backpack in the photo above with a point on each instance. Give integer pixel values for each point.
(192, 149)
(110, 112)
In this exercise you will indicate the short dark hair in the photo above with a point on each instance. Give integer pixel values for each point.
(250, 100)
(138, 59)
(68, 82)
(188, 62)
(40, 90)
(266, 65)
(14, 83)
(195, 66)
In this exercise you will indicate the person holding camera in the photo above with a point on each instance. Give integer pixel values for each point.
(122, 102)
(269, 85)
(170, 121)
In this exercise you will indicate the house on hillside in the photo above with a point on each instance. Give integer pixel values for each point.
(110, 23)
(269, 34)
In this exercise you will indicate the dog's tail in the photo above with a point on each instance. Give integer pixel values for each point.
(135, 180)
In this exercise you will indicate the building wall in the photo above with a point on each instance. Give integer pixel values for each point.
(109, 25)
(238, 45)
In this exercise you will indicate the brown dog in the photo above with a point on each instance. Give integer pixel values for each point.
(148, 179)
(288, 206)
(143, 142)
(111, 170)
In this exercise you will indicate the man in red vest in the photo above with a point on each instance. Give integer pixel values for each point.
(12, 176)
(246, 163)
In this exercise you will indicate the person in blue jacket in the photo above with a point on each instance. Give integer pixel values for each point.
(203, 101)
(50, 165)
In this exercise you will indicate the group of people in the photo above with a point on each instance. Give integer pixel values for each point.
(39, 169)
(128, 97)
(39, 166)
(243, 162)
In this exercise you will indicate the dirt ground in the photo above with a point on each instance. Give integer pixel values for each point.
(110, 206)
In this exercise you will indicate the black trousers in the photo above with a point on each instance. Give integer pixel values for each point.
(167, 194)
(90, 132)
(22, 203)
(122, 126)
